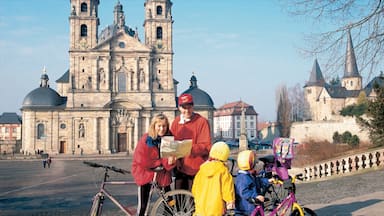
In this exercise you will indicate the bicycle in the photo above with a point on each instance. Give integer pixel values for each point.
(174, 202)
(289, 205)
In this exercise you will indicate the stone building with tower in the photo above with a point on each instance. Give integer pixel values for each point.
(114, 85)
(325, 101)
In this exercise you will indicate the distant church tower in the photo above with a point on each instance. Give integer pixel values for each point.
(352, 78)
(158, 35)
(324, 100)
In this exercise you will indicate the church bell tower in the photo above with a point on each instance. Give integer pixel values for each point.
(84, 24)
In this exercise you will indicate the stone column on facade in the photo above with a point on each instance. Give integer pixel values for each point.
(130, 141)
(96, 134)
(136, 131)
(107, 140)
(136, 74)
(114, 138)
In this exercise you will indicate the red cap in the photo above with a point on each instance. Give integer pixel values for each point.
(185, 99)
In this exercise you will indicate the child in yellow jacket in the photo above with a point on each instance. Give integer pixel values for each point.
(213, 186)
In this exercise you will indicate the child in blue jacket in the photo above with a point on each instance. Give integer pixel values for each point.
(248, 185)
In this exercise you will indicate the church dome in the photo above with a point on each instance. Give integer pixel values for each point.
(43, 97)
(200, 98)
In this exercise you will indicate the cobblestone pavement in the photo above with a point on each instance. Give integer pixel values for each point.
(358, 194)
(26, 188)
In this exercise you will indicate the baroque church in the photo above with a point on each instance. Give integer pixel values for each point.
(325, 100)
(115, 84)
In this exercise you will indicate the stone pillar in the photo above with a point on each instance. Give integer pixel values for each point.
(243, 141)
(107, 140)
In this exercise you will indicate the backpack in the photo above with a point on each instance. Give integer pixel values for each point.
(283, 150)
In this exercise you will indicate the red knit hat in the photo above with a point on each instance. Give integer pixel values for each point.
(185, 99)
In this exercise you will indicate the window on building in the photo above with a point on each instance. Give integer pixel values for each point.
(159, 10)
(83, 7)
(84, 30)
(238, 124)
(121, 79)
(251, 124)
(252, 133)
(325, 100)
(40, 131)
(14, 130)
(237, 117)
(159, 33)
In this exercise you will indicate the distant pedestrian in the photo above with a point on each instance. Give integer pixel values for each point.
(49, 161)
(44, 162)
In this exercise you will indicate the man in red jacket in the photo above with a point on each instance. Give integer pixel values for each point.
(190, 125)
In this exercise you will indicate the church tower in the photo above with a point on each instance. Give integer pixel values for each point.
(158, 36)
(351, 79)
(84, 24)
(313, 89)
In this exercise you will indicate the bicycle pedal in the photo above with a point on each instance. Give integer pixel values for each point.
(171, 202)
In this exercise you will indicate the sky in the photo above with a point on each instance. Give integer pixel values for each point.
(238, 50)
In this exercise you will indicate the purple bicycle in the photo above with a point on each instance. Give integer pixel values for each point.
(280, 195)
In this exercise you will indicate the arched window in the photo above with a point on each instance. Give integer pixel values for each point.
(121, 79)
(83, 7)
(40, 131)
(159, 33)
(159, 10)
(83, 30)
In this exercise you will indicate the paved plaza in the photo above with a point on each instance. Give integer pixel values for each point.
(68, 186)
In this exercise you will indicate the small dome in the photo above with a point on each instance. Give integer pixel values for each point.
(200, 97)
(43, 97)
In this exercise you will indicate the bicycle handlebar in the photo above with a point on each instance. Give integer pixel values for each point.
(115, 169)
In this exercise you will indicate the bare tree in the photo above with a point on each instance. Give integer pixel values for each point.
(296, 97)
(364, 19)
(283, 111)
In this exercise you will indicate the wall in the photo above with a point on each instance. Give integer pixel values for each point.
(324, 130)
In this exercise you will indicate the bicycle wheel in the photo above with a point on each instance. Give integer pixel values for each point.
(177, 203)
(274, 195)
(303, 211)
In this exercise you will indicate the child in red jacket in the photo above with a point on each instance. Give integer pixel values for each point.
(146, 157)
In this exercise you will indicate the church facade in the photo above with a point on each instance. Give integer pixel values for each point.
(114, 85)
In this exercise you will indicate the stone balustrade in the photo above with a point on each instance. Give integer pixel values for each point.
(342, 166)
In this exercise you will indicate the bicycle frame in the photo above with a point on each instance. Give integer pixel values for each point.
(286, 206)
(183, 199)
(104, 192)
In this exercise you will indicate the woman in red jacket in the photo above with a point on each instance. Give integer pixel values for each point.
(146, 157)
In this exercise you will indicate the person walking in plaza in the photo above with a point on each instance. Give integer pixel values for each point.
(146, 157)
(49, 161)
(190, 125)
(213, 186)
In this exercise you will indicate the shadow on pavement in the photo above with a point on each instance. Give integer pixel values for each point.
(346, 209)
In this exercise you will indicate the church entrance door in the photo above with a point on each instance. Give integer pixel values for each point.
(122, 142)
(63, 147)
